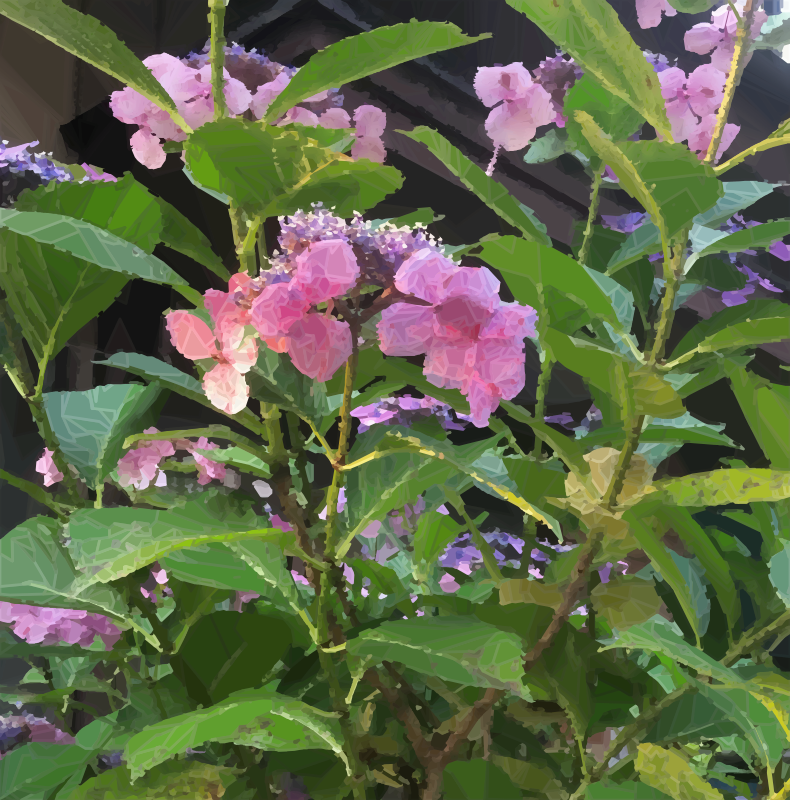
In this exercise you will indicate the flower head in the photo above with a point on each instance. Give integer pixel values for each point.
(46, 467)
(648, 12)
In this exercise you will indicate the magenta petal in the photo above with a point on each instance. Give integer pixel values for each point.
(326, 269)
(648, 12)
(300, 116)
(511, 321)
(450, 364)
(405, 329)
(425, 274)
(483, 401)
(494, 84)
(226, 388)
(277, 308)
(319, 346)
(500, 363)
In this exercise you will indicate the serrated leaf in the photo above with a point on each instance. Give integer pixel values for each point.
(737, 196)
(366, 54)
(548, 147)
(434, 532)
(592, 33)
(759, 236)
(91, 426)
(493, 194)
(456, 649)
(667, 771)
(253, 718)
(85, 37)
(36, 769)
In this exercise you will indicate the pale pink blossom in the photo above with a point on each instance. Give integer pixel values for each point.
(277, 308)
(335, 118)
(370, 123)
(699, 141)
(719, 36)
(495, 84)
(370, 148)
(147, 149)
(648, 12)
(319, 346)
(300, 116)
(267, 93)
(208, 470)
(449, 583)
(46, 467)
(326, 269)
(226, 388)
(140, 466)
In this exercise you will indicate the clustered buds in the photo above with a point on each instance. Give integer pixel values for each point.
(252, 83)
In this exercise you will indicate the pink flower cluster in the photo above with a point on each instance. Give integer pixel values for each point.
(140, 466)
(691, 103)
(649, 12)
(252, 82)
(50, 626)
(472, 340)
(46, 466)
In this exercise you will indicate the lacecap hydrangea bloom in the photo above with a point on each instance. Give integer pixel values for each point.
(472, 341)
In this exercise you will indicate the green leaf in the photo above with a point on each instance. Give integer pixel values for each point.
(253, 718)
(548, 147)
(177, 780)
(434, 532)
(592, 33)
(227, 651)
(645, 240)
(667, 179)
(738, 195)
(717, 570)
(669, 772)
(766, 407)
(760, 236)
(179, 234)
(91, 426)
(657, 636)
(366, 54)
(616, 118)
(88, 39)
(456, 649)
(477, 780)
(35, 770)
(35, 570)
(779, 567)
(649, 540)
(493, 194)
(169, 377)
(717, 273)
(109, 543)
(626, 601)
(528, 267)
(629, 790)
(240, 459)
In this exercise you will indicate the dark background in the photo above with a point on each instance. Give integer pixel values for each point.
(48, 95)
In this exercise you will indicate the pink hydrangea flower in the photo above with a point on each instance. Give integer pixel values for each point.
(50, 626)
(370, 123)
(648, 12)
(720, 34)
(233, 351)
(335, 118)
(319, 346)
(472, 341)
(140, 466)
(208, 470)
(46, 467)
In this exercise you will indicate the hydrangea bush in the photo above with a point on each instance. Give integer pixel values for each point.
(302, 598)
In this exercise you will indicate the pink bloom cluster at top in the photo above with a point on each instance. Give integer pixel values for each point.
(140, 466)
(53, 625)
(472, 340)
(718, 37)
(691, 103)
(252, 82)
(46, 467)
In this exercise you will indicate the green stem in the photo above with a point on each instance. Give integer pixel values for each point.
(739, 57)
(540, 405)
(274, 432)
(584, 252)
(766, 144)
(216, 431)
(673, 271)
(489, 560)
(216, 16)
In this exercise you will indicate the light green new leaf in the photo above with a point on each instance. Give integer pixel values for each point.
(493, 194)
(667, 179)
(85, 37)
(657, 636)
(366, 54)
(766, 407)
(592, 33)
(457, 649)
(528, 267)
(91, 426)
(667, 771)
(252, 718)
(649, 540)
(109, 543)
(169, 377)
(89, 243)
(35, 570)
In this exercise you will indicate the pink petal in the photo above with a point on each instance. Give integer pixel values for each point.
(425, 274)
(244, 356)
(300, 116)
(478, 284)
(511, 321)
(180, 81)
(277, 343)
(500, 365)
(277, 308)
(699, 141)
(147, 149)
(222, 308)
(513, 124)
(449, 583)
(165, 129)
(494, 84)
(46, 466)
(326, 269)
(319, 346)
(130, 106)
(706, 89)
(702, 38)
(369, 121)
(334, 118)
(483, 401)
(191, 336)
(237, 96)
(405, 329)
(226, 389)
(450, 365)
(198, 112)
(369, 147)
(672, 80)
(648, 12)
(682, 119)
(266, 94)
